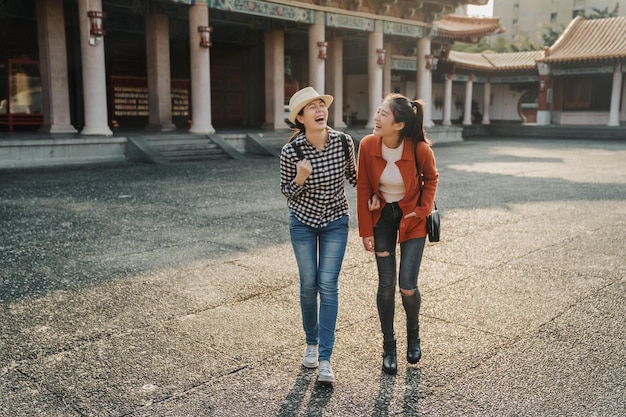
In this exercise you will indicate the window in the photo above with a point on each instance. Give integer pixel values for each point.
(553, 17)
(516, 7)
(589, 93)
(514, 23)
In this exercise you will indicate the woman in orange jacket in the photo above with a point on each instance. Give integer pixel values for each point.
(392, 162)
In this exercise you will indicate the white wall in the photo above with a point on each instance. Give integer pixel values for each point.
(504, 104)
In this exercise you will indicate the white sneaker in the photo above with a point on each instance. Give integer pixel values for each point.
(325, 373)
(309, 359)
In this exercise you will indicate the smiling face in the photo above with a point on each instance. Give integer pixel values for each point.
(384, 122)
(314, 115)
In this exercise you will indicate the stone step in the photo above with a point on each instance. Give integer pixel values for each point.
(186, 147)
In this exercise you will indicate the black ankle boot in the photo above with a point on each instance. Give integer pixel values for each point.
(390, 361)
(414, 350)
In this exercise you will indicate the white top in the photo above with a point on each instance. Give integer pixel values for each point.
(391, 183)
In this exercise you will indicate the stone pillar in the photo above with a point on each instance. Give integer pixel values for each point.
(543, 105)
(615, 96)
(447, 101)
(467, 115)
(55, 100)
(275, 80)
(201, 121)
(317, 64)
(336, 82)
(387, 70)
(94, 73)
(374, 72)
(159, 77)
(486, 102)
(543, 98)
(425, 80)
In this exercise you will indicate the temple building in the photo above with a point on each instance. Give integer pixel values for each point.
(576, 81)
(101, 65)
(82, 71)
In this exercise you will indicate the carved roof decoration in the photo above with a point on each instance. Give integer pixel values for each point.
(467, 29)
(588, 41)
(415, 12)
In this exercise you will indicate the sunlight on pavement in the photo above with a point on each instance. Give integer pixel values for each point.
(571, 165)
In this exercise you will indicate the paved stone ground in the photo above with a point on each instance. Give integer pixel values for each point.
(142, 290)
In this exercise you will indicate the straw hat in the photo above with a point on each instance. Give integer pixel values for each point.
(303, 97)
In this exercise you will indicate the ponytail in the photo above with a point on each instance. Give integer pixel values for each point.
(418, 133)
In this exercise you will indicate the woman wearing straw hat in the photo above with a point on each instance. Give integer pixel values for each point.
(313, 168)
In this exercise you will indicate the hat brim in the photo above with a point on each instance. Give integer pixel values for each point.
(294, 112)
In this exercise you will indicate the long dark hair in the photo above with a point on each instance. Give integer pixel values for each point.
(411, 113)
(296, 127)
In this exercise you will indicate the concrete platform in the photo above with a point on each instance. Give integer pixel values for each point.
(32, 150)
(136, 290)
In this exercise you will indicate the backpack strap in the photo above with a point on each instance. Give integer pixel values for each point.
(299, 152)
(344, 142)
(346, 149)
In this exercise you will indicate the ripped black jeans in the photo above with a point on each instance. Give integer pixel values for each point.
(411, 251)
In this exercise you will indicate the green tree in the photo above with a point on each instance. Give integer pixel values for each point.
(501, 44)
(481, 46)
(600, 13)
(523, 43)
(549, 35)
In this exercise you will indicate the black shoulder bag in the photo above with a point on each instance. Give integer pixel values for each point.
(433, 221)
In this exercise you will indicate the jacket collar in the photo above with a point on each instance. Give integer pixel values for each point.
(406, 151)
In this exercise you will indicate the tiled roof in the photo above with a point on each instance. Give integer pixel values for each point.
(467, 29)
(470, 60)
(513, 61)
(492, 61)
(589, 40)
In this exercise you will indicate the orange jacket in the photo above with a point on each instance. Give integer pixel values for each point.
(371, 166)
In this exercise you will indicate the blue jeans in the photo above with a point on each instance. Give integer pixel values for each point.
(411, 251)
(319, 253)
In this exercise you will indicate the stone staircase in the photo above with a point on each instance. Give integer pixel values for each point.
(185, 147)
(267, 142)
(164, 148)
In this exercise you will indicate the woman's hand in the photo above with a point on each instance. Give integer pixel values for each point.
(373, 203)
(368, 243)
(303, 170)
(411, 214)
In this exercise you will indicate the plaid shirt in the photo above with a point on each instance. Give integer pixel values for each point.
(322, 198)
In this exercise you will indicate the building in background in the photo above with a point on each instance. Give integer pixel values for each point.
(527, 18)
(99, 71)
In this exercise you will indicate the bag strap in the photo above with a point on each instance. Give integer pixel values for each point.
(418, 174)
